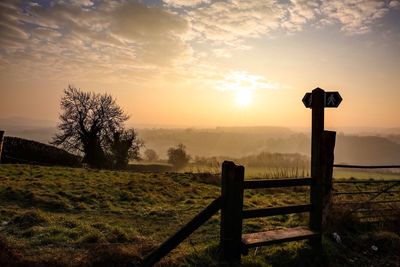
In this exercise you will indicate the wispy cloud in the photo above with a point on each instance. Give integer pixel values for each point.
(354, 16)
(109, 38)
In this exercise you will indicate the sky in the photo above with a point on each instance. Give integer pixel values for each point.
(204, 63)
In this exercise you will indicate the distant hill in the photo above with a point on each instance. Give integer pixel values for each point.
(367, 150)
(32, 129)
(25, 123)
(232, 141)
(379, 147)
(237, 143)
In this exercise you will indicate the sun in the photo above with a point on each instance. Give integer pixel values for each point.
(243, 98)
(243, 86)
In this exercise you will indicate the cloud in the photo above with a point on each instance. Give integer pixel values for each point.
(109, 38)
(133, 41)
(298, 13)
(185, 3)
(12, 32)
(231, 21)
(394, 4)
(354, 16)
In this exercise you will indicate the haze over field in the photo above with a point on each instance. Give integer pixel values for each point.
(204, 63)
(358, 146)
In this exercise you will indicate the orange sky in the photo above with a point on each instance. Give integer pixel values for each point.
(204, 63)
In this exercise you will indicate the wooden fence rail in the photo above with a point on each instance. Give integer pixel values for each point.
(272, 183)
(364, 192)
(350, 181)
(255, 213)
(366, 166)
(182, 234)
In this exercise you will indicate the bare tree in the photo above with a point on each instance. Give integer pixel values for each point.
(88, 121)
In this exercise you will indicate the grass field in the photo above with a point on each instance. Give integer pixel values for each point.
(53, 216)
(271, 172)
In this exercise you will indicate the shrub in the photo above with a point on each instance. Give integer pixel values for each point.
(178, 157)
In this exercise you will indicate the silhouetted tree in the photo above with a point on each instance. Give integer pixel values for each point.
(178, 157)
(88, 122)
(150, 155)
(124, 145)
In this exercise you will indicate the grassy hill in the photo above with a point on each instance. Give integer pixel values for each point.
(52, 216)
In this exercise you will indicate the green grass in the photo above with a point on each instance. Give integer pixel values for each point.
(370, 174)
(83, 217)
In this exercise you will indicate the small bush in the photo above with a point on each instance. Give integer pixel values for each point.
(178, 156)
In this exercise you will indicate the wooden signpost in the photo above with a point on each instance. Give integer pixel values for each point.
(322, 144)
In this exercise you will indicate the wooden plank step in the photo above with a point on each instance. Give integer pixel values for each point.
(277, 236)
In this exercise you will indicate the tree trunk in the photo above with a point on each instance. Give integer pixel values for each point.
(94, 154)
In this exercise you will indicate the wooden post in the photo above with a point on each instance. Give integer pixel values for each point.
(318, 106)
(328, 148)
(231, 211)
(1, 142)
(318, 103)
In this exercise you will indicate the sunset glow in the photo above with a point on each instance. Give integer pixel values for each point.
(195, 63)
(243, 98)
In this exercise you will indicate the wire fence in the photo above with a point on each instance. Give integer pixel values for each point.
(369, 200)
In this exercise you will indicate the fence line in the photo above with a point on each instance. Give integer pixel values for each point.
(363, 192)
(366, 166)
(376, 205)
(361, 181)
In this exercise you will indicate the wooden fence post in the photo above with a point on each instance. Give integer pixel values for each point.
(231, 211)
(1, 143)
(328, 151)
